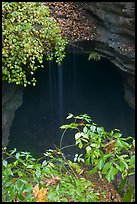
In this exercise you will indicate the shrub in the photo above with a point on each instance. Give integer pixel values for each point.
(53, 178)
(28, 32)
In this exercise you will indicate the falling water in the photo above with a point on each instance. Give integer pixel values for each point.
(77, 86)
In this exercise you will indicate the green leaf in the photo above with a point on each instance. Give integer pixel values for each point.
(85, 129)
(123, 165)
(69, 116)
(38, 173)
(28, 188)
(77, 135)
(111, 173)
(117, 167)
(94, 170)
(101, 164)
(117, 135)
(88, 149)
(132, 160)
(118, 143)
(17, 155)
(93, 128)
(100, 130)
(12, 193)
(93, 145)
(5, 163)
(64, 126)
(44, 163)
(106, 167)
(80, 145)
(13, 151)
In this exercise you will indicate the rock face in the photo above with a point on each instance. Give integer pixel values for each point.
(115, 38)
(12, 96)
(115, 31)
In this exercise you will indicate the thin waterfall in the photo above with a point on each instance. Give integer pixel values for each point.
(52, 90)
(60, 108)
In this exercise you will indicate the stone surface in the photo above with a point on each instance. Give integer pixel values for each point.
(12, 98)
(115, 38)
(115, 31)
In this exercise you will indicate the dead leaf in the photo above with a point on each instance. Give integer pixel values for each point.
(109, 146)
(40, 194)
(53, 181)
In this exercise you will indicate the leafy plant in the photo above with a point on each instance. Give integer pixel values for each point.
(53, 178)
(94, 56)
(28, 32)
(106, 153)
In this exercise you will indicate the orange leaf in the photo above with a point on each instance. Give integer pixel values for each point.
(40, 194)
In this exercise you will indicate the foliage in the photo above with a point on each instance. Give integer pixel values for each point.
(28, 32)
(107, 153)
(94, 56)
(53, 178)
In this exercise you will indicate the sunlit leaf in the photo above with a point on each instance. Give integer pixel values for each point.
(69, 116)
(5, 163)
(88, 148)
(77, 135)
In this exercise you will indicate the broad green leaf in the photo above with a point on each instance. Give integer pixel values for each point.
(123, 165)
(94, 170)
(100, 130)
(77, 135)
(93, 128)
(85, 129)
(106, 167)
(64, 126)
(117, 167)
(44, 163)
(117, 135)
(111, 173)
(5, 163)
(80, 145)
(93, 145)
(17, 155)
(28, 187)
(13, 151)
(88, 149)
(69, 116)
(101, 164)
(132, 160)
(38, 173)
(78, 141)
(118, 143)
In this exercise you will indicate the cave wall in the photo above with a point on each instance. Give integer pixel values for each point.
(115, 31)
(115, 38)
(12, 99)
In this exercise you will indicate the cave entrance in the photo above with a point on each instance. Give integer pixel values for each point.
(77, 86)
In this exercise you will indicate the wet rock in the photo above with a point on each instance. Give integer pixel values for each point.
(115, 28)
(11, 100)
